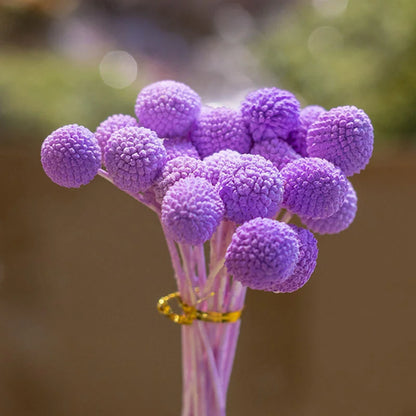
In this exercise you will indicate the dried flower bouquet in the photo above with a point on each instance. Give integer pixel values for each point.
(225, 183)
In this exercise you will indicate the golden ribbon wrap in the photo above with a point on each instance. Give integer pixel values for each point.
(190, 313)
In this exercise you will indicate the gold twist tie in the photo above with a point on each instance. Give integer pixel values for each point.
(190, 313)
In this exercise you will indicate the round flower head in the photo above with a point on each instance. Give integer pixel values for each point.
(270, 112)
(276, 150)
(179, 146)
(255, 189)
(339, 221)
(167, 107)
(263, 253)
(297, 138)
(71, 156)
(175, 170)
(313, 187)
(218, 129)
(111, 125)
(221, 164)
(191, 210)
(134, 157)
(344, 136)
(308, 253)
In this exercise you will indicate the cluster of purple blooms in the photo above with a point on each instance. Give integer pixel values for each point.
(231, 177)
(199, 166)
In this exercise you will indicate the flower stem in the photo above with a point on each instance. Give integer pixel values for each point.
(138, 197)
(208, 349)
(286, 217)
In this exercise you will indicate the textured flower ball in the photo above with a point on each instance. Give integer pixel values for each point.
(71, 156)
(344, 136)
(313, 187)
(297, 138)
(175, 170)
(263, 253)
(308, 254)
(270, 112)
(255, 189)
(221, 164)
(111, 125)
(167, 107)
(219, 129)
(134, 157)
(179, 146)
(279, 152)
(339, 221)
(192, 210)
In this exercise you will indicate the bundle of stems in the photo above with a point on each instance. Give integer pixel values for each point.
(208, 349)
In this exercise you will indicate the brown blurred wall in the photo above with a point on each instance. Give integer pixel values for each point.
(81, 271)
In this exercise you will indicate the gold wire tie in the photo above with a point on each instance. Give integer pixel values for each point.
(190, 313)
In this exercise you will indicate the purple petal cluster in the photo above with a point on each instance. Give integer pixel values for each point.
(219, 129)
(198, 166)
(297, 138)
(179, 146)
(134, 157)
(167, 107)
(111, 125)
(222, 164)
(313, 187)
(254, 189)
(192, 210)
(175, 170)
(71, 156)
(263, 253)
(339, 221)
(270, 112)
(308, 254)
(279, 152)
(344, 136)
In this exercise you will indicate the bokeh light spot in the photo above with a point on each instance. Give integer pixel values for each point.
(233, 23)
(118, 69)
(330, 7)
(324, 39)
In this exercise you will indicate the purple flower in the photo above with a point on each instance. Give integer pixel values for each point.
(263, 253)
(270, 112)
(344, 136)
(192, 210)
(167, 107)
(254, 189)
(313, 187)
(219, 129)
(175, 170)
(179, 146)
(134, 157)
(308, 253)
(339, 221)
(221, 164)
(71, 156)
(111, 125)
(297, 137)
(276, 150)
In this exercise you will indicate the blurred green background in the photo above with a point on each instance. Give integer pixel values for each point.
(328, 52)
(363, 55)
(81, 270)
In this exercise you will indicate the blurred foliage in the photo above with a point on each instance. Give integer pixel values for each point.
(365, 56)
(40, 92)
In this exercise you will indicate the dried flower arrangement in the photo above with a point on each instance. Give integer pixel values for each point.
(225, 184)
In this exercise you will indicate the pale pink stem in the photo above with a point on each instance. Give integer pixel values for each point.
(286, 217)
(236, 303)
(137, 196)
